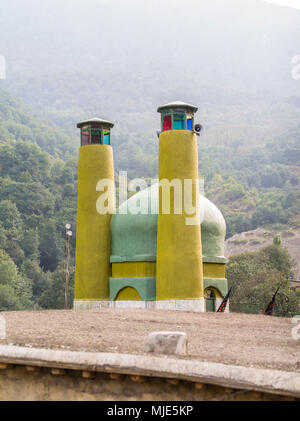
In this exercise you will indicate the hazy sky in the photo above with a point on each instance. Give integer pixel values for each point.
(290, 3)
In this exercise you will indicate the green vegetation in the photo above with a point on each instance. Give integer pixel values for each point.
(254, 278)
(37, 199)
(257, 187)
(18, 123)
(15, 289)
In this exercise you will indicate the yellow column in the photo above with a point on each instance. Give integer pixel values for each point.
(179, 252)
(92, 266)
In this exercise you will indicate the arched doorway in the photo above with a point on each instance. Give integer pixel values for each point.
(128, 294)
(210, 300)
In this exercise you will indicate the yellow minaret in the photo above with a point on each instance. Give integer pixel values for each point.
(179, 275)
(92, 266)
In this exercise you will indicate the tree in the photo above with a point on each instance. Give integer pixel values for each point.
(50, 252)
(254, 277)
(34, 274)
(24, 161)
(277, 257)
(54, 294)
(277, 240)
(2, 236)
(15, 289)
(11, 220)
(30, 198)
(30, 243)
(8, 299)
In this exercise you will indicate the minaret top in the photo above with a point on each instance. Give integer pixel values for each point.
(178, 104)
(95, 121)
(177, 115)
(95, 131)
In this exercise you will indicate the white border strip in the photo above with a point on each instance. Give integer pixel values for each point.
(180, 305)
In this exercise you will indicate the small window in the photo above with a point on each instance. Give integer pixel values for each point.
(209, 293)
(106, 136)
(167, 125)
(189, 124)
(95, 136)
(178, 122)
(85, 136)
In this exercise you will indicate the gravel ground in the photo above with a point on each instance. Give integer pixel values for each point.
(232, 338)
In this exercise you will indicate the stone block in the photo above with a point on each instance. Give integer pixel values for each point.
(167, 343)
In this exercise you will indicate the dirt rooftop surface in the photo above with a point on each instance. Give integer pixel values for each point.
(230, 338)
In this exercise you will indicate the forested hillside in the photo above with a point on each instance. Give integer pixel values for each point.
(254, 277)
(256, 185)
(37, 198)
(18, 122)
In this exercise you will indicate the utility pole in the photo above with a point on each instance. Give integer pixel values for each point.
(68, 236)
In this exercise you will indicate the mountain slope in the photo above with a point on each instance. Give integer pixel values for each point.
(257, 239)
(17, 122)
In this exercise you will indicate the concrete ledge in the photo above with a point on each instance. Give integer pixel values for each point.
(238, 377)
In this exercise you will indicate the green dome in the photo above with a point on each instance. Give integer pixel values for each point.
(133, 236)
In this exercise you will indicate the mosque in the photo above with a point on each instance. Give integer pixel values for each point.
(153, 259)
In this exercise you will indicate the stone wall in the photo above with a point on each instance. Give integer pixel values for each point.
(45, 374)
(17, 383)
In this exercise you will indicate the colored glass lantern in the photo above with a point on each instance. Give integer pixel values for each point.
(167, 122)
(85, 135)
(189, 123)
(177, 116)
(95, 131)
(178, 121)
(106, 137)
